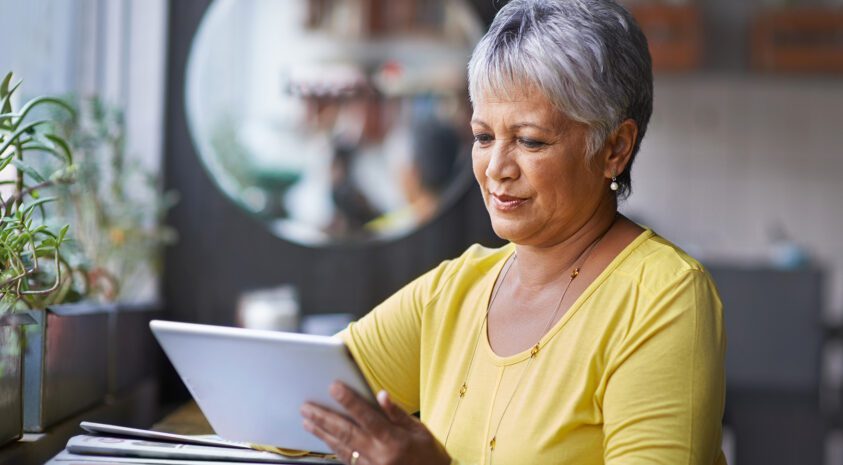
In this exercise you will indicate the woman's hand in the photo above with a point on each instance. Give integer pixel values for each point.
(372, 436)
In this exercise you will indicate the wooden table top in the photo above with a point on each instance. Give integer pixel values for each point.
(187, 419)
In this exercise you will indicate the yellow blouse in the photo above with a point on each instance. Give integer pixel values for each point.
(631, 374)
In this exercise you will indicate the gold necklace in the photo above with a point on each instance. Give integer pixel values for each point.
(582, 257)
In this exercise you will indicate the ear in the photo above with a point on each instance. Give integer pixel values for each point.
(618, 149)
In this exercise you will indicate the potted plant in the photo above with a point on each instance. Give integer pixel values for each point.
(100, 343)
(116, 210)
(33, 272)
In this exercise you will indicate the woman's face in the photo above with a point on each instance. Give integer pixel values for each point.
(530, 162)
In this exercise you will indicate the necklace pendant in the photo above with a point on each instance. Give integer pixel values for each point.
(534, 351)
(463, 389)
(492, 443)
(575, 273)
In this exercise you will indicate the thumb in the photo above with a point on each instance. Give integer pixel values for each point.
(394, 413)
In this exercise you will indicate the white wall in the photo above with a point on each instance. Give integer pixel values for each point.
(727, 157)
(113, 48)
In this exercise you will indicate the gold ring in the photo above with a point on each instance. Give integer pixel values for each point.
(354, 457)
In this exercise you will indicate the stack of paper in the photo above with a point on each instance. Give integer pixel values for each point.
(113, 444)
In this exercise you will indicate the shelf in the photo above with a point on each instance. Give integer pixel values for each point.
(674, 33)
(798, 40)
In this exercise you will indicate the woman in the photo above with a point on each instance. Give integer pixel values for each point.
(587, 340)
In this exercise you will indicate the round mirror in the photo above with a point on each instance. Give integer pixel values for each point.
(334, 120)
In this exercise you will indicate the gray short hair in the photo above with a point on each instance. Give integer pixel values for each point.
(589, 57)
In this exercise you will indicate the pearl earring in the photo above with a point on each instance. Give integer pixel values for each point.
(614, 185)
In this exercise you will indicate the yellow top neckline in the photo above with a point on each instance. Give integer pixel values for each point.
(525, 354)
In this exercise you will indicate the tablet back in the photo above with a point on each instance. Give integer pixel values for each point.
(251, 383)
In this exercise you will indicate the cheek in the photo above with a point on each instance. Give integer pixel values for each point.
(479, 165)
(554, 182)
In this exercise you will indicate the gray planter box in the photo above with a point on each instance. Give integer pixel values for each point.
(11, 380)
(133, 352)
(65, 364)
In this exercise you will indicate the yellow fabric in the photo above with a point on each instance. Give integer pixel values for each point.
(631, 374)
(291, 452)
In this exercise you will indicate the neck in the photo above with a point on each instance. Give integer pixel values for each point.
(538, 266)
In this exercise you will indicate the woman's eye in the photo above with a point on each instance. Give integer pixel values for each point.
(531, 143)
(483, 139)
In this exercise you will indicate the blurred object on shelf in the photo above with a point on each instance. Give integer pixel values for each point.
(370, 19)
(326, 324)
(326, 81)
(674, 33)
(275, 309)
(808, 40)
(785, 252)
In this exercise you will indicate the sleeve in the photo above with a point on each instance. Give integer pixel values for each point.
(664, 396)
(386, 343)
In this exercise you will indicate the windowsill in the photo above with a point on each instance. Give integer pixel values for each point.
(137, 407)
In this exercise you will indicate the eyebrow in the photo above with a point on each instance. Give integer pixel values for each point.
(514, 126)
(530, 125)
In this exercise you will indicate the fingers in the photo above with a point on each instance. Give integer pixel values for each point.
(332, 424)
(342, 449)
(393, 412)
(365, 414)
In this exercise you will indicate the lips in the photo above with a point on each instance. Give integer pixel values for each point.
(506, 202)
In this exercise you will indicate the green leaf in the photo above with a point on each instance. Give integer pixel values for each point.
(28, 170)
(39, 230)
(6, 102)
(4, 162)
(63, 232)
(63, 145)
(5, 93)
(46, 149)
(43, 101)
(44, 249)
(18, 133)
(4, 87)
(29, 207)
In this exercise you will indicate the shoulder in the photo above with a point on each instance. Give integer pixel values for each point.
(653, 264)
(664, 291)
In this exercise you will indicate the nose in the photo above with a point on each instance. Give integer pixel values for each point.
(501, 165)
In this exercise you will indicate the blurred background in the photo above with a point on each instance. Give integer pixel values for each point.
(290, 163)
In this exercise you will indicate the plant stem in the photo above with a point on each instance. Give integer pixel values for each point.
(18, 197)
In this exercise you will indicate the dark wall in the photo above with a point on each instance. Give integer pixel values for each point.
(222, 251)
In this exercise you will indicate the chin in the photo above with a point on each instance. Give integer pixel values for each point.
(508, 230)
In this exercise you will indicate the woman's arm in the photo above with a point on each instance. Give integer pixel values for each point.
(386, 346)
(386, 343)
(663, 402)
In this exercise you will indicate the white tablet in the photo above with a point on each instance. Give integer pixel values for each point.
(251, 383)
